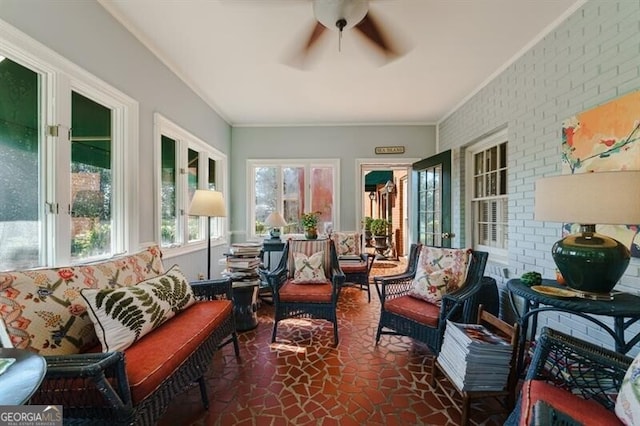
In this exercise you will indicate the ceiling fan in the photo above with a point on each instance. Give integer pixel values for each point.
(341, 15)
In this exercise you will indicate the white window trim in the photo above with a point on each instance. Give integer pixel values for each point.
(496, 255)
(291, 162)
(60, 76)
(164, 126)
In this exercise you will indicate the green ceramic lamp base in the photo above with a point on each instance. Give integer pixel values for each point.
(591, 262)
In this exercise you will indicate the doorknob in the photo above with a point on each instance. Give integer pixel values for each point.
(448, 235)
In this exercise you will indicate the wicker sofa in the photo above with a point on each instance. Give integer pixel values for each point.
(49, 311)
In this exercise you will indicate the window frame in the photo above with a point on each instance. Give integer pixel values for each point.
(57, 78)
(186, 141)
(497, 254)
(308, 165)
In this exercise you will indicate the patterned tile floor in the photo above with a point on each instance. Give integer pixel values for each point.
(303, 380)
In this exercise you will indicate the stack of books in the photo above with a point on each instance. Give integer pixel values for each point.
(242, 263)
(475, 358)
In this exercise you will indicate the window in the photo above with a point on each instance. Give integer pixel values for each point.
(292, 187)
(61, 131)
(186, 163)
(488, 163)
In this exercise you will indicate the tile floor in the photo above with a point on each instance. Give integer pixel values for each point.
(303, 380)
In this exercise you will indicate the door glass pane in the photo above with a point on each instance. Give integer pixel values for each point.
(429, 208)
(91, 178)
(169, 175)
(20, 201)
(192, 184)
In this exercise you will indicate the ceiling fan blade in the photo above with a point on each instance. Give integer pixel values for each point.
(318, 30)
(302, 52)
(371, 30)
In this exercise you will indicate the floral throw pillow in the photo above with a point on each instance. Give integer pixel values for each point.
(628, 400)
(42, 308)
(122, 316)
(440, 271)
(347, 243)
(431, 287)
(309, 269)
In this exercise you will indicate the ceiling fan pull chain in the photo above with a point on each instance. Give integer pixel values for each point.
(340, 23)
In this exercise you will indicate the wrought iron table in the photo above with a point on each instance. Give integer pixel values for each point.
(22, 378)
(624, 308)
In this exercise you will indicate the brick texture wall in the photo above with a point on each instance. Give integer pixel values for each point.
(589, 59)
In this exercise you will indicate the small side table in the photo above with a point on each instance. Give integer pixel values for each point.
(245, 306)
(624, 308)
(22, 378)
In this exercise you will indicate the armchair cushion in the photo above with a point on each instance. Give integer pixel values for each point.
(440, 271)
(418, 310)
(628, 401)
(347, 243)
(122, 316)
(582, 410)
(310, 293)
(309, 269)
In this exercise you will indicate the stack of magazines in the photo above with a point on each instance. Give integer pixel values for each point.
(242, 263)
(475, 358)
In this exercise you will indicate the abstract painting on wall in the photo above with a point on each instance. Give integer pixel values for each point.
(605, 138)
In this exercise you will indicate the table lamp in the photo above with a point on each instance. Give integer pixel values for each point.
(588, 261)
(210, 204)
(275, 221)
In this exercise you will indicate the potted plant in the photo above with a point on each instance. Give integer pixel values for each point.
(379, 227)
(366, 225)
(309, 222)
(380, 231)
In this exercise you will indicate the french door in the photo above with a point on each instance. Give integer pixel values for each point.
(432, 194)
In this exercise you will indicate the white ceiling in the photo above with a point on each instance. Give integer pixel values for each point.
(233, 53)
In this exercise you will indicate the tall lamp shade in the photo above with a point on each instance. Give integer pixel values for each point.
(589, 261)
(210, 204)
(275, 221)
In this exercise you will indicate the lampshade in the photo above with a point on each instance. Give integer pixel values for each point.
(275, 220)
(588, 261)
(207, 203)
(329, 12)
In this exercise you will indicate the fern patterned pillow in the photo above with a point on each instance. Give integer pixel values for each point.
(123, 315)
(309, 269)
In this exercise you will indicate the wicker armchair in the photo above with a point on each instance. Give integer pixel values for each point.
(306, 300)
(428, 321)
(357, 273)
(577, 378)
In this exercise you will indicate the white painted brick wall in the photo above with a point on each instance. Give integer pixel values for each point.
(591, 58)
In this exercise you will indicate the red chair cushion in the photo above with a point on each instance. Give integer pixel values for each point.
(353, 267)
(155, 356)
(306, 292)
(418, 310)
(587, 412)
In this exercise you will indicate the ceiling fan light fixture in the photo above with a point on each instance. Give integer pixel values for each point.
(340, 14)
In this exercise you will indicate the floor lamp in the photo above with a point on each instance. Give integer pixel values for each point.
(210, 204)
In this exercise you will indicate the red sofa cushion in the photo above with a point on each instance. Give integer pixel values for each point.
(587, 412)
(153, 358)
(418, 310)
